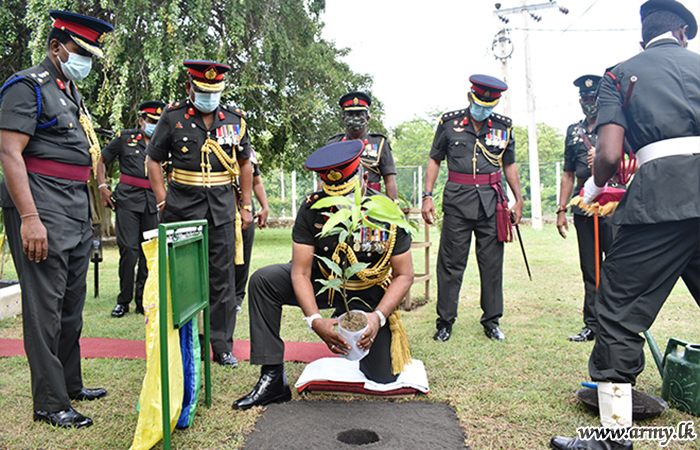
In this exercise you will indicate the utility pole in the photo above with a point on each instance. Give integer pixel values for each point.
(527, 10)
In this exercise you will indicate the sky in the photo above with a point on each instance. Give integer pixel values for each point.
(421, 54)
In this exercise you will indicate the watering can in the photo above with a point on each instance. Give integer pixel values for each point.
(680, 371)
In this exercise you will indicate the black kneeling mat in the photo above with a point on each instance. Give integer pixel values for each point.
(644, 406)
(367, 425)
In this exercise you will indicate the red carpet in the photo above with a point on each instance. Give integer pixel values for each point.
(124, 349)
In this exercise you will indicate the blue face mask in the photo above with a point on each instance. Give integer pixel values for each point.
(206, 102)
(149, 129)
(480, 113)
(76, 66)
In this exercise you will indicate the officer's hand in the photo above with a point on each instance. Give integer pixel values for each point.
(246, 219)
(562, 224)
(367, 339)
(428, 210)
(106, 197)
(516, 212)
(325, 328)
(591, 156)
(591, 191)
(261, 217)
(34, 240)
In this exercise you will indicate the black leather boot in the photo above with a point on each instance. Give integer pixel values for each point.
(272, 387)
(562, 443)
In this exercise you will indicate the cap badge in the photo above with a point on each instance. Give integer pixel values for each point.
(589, 83)
(487, 94)
(355, 101)
(334, 175)
(210, 74)
(159, 110)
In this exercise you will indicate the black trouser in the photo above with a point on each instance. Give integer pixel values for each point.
(222, 300)
(53, 296)
(585, 232)
(455, 241)
(242, 271)
(130, 226)
(639, 272)
(271, 288)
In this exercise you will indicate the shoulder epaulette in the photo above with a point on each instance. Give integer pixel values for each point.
(335, 136)
(378, 135)
(234, 109)
(450, 115)
(176, 105)
(502, 119)
(311, 198)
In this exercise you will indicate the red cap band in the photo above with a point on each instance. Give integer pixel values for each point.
(80, 30)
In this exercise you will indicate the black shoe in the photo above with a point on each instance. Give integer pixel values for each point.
(139, 310)
(65, 419)
(272, 387)
(226, 359)
(584, 335)
(562, 443)
(120, 310)
(89, 394)
(443, 333)
(495, 334)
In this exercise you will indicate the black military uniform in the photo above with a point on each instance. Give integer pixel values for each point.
(470, 199)
(248, 239)
(271, 287)
(136, 212)
(659, 236)
(197, 193)
(41, 103)
(376, 156)
(576, 161)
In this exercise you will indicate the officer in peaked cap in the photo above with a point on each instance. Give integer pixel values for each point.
(376, 155)
(578, 155)
(297, 284)
(134, 202)
(659, 215)
(47, 149)
(209, 147)
(477, 144)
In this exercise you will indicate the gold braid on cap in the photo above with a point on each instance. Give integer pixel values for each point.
(342, 189)
(232, 167)
(92, 140)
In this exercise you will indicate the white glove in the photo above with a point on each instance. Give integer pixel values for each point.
(591, 191)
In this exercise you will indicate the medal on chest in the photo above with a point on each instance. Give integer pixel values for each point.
(370, 151)
(228, 134)
(371, 241)
(497, 138)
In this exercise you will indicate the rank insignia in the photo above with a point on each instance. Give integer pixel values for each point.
(190, 111)
(455, 122)
(178, 126)
(187, 116)
(60, 84)
(184, 149)
(222, 116)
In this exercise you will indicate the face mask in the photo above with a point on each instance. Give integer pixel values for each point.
(149, 129)
(590, 109)
(76, 66)
(208, 102)
(355, 123)
(480, 113)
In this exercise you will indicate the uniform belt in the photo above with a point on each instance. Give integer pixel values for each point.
(375, 186)
(134, 181)
(474, 180)
(688, 145)
(57, 169)
(197, 179)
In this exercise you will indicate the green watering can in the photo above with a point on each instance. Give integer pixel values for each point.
(680, 371)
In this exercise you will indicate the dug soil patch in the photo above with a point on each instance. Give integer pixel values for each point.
(366, 425)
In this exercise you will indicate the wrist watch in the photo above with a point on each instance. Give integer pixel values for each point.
(561, 209)
(427, 194)
(310, 320)
(382, 319)
(248, 208)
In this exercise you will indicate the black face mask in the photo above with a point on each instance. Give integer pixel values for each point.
(355, 123)
(590, 109)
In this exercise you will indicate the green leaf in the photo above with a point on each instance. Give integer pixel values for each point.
(335, 219)
(358, 299)
(332, 200)
(331, 265)
(335, 284)
(343, 236)
(354, 269)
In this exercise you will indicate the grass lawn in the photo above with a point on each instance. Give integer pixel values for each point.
(510, 395)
